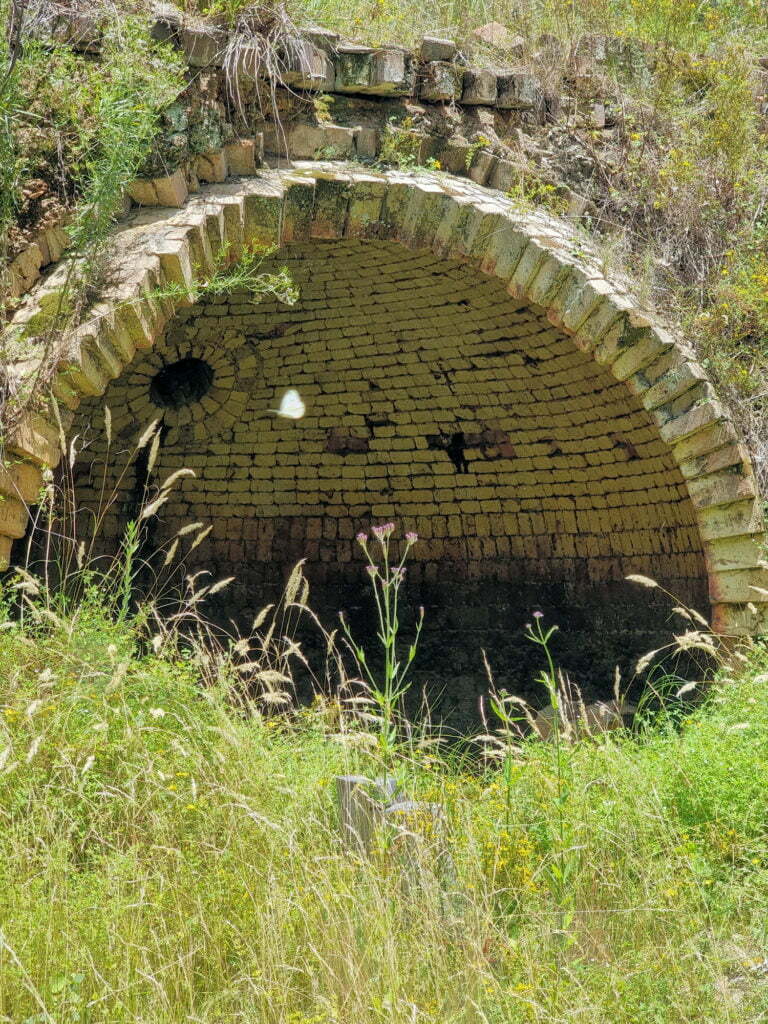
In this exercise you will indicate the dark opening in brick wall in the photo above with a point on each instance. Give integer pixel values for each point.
(181, 383)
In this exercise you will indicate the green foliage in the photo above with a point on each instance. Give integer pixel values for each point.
(84, 127)
(402, 145)
(166, 858)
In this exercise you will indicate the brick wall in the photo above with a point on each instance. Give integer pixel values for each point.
(568, 487)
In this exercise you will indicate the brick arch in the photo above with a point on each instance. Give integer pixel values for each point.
(533, 259)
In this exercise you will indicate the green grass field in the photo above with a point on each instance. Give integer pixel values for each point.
(167, 857)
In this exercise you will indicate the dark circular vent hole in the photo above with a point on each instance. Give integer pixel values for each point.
(181, 383)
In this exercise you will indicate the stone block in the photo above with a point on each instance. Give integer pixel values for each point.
(672, 384)
(730, 455)
(298, 205)
(385, 72)
(5, 552)
(20, 480)
(745, 619)
(731, 553)
(308, 66)
(142, 192)
(436, 48)
(37, 440)
(732, 520)
(479, 88)
(212, 167)
(722, 488)
(13, 517)
(504, 175)
(332, 195)
(691, 421)
(321, 141)
(367, 143)
(482, 167)
(712, 437)
(324, 38)
(203, 45)
(245, 155)
(165, 22)
(737, 586)
(263, 212)
(644, 350)
(441, 82)
(367, 194)
(519, 91)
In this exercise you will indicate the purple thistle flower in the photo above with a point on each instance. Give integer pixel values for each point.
(362, 538)
(372, 570)
(538, 615)
(411, 537)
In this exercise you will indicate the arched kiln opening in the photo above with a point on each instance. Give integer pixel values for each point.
(437, 401)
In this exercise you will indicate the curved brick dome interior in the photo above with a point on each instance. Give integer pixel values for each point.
(533, 479)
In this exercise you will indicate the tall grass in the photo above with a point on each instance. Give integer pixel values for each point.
(170, 849)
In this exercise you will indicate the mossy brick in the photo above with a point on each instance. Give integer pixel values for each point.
(131, 316)
(642, 350)
(98, 345)
(553, 276)
(422, 216)
(581, 301)
(308, 141)
(332, 195)
(81, 371)
(625, 334)
(479, 87)
(441, 82)
(528, 266)
(366, 201)
(673, 383)
(503, 250)
(298, 206)
(262, 215)
(723, 487)
(453, 226)
(233, 209)
(732, 454)
(691, 422)
(307, 66)
(600, 320)
(708, 439)
(175, 256)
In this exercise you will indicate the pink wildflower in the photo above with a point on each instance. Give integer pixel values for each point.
(382, 532)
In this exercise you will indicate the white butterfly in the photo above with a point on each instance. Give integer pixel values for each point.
(291, 405)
